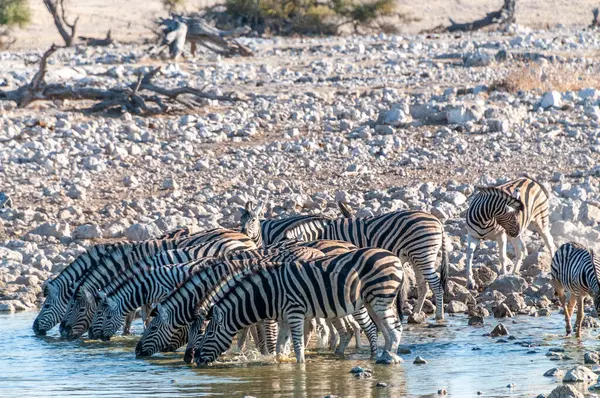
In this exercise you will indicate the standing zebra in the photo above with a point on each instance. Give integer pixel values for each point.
(125, 260)
(411, 235)
(58, 291)
(504, 212)
(575, 271)
(331, 287)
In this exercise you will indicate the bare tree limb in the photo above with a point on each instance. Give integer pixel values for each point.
(57, 9)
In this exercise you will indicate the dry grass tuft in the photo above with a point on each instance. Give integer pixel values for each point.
(548, 77)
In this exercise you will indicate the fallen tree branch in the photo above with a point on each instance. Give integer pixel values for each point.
(134, 98)
(504, 16)
(91, 41)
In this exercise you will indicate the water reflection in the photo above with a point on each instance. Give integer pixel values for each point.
(460, 360)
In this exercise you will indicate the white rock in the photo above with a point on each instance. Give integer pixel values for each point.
(10, 255)
(57, 230)
(551, 99)
(87, 231)
(579, 374)
(138, 232)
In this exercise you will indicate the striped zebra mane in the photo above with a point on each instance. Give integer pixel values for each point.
(596, 264)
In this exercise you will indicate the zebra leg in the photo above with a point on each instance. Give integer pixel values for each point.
(356, 329)
(545, 234)
(579, 315)
(243, 337)
(345, 335)
(391, 322)
(422, 290)
(324, 333)
(262, 338)
(310, 326)
(146, 310)
(128, 321)
(296, 325)
(270, 335)
(370, 329)
(569, 312)
(520, 252)
(333, 335)
(471, 244)
(502, 241)
(282, 337)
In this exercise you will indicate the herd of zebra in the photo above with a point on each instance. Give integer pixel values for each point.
(278, 279)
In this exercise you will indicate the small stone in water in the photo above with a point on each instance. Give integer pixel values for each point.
(479, 392)
(501, 341)
(357, 369)
(511, 385)
(442, 392)
(419, 360)
(404, 351)
(381, 384)
(499, 330)
(556, 349)
(476, 349)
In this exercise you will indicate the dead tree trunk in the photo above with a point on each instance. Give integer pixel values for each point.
(134, 98)
(504, 16)
(57, 9)
(178, 29)
(91, 41)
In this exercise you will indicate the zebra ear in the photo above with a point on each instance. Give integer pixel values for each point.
(345, 209)
(259, 209)
(249, 206)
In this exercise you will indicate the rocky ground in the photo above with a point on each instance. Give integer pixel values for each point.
(383, 122)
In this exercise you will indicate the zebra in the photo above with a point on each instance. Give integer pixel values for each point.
(157, 282)
(575, 272)
(128, 260)
(272, 231)
(503, 213)
(177, 310)
(330, 287)
(411, 235)
(251, 226)
(58, 291)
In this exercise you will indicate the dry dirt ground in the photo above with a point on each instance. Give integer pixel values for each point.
(130, 20)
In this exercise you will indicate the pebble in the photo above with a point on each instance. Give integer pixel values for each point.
(419, 361)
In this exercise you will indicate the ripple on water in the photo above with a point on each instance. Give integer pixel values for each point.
(47, 366)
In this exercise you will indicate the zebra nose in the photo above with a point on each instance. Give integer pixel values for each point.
(189, 355)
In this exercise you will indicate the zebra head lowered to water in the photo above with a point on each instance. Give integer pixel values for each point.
(58, 291)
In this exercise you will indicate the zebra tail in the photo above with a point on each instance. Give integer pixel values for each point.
(402, 296)
(444, 266)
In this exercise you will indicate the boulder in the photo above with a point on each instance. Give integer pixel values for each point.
(506, 284)
(579, 374)
(591, 358)
(456, 292)
(502, 311)
(484, 276)
(499, 330)
(565, 391)
(477, 59)
(416, 318)
(551, 99)
(138, 232)
(554, 372)
(10, 255)
(515, 302)
(456, 307)
(87, 231)
(590, 213)
(57, 230)
(475, 320)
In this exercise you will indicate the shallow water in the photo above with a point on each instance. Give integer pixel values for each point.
(46, 366)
